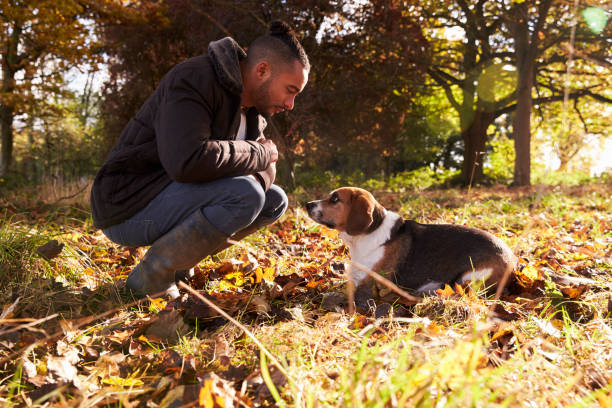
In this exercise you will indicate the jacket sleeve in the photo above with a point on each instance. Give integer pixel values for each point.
(266, 177)
(183, 129)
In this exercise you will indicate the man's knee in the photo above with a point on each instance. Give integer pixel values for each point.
(253, 192)
(249, 196)
(276, 203)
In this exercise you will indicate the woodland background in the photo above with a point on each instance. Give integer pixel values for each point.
(469, 91)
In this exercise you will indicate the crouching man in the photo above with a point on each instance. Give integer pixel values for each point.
(193, 168)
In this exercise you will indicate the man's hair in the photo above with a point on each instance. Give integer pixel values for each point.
(279, 44)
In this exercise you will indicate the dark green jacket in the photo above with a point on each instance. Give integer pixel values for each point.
(184, 132)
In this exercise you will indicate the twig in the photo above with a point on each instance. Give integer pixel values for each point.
(350, 291)
(380, 321)
(381, 279)
(28, 325)
(71, 195)
(82, 322)
(246, 248)
(9, 309)
(502, 284)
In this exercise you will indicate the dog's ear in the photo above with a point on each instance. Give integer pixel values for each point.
(360, 215)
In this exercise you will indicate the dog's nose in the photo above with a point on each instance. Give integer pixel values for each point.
(310, 205)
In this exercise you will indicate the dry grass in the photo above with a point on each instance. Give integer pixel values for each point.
(542, 348)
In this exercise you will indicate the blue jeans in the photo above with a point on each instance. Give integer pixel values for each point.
(230, 204)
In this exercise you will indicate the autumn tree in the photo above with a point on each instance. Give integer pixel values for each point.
(358, 89)
(40, 41)
(504, 53)
(548, 37)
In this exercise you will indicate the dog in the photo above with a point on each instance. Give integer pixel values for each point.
(421, 257)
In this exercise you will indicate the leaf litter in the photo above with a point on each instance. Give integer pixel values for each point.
(286, 285)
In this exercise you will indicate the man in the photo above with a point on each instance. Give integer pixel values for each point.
(193, 168)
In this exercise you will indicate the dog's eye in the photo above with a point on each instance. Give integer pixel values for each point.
(334, 199)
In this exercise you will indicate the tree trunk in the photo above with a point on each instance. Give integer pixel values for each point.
(522, 136)
(521, 126)
(6, 136)
(474, 140)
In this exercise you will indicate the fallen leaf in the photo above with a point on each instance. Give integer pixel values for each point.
(62, 369)
(435, 329)
(50, 250)
(528, 276)
(206, 399)
(359, 322)
(261, 304)
(501, 333)
(157, 304)
(7, 310)
(446, 292)
(168, 326)
(122, 382)
(573, 292)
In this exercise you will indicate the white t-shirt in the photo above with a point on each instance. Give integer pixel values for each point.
(241, 135)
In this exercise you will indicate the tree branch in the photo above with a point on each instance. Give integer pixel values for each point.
(586, 128)
(555, 98)
(437, 76)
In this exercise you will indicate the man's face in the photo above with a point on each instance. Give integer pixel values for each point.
(278, 91)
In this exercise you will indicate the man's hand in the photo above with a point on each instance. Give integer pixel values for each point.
(272, 147)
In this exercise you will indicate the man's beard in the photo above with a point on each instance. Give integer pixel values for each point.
(262, 99)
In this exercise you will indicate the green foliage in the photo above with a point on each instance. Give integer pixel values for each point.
(413, 180)
(499, 164)
(68, 145)
(44, 40)
(543, 176)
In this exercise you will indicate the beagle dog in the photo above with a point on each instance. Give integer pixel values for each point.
(422, 257)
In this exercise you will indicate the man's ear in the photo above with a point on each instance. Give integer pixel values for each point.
(360, 215)
(263, 70)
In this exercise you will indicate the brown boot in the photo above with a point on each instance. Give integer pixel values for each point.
(181, 248)
(184, 274)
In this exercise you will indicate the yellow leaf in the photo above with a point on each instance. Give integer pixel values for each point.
(157, 304)
(435, 329)
(446, 292)
(501, 332)
(528, 275)
(226, 286)
(122, 382)
(206, 398)
(329, 233)
(579, 256)
(237, 277)
(269, 273)
(74, 236)
(605, 400)
(258, 275)
(105, 260)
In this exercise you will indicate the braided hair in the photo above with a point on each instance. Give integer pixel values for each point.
(279, 44)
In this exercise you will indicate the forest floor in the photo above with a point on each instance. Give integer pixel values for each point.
(70, 336)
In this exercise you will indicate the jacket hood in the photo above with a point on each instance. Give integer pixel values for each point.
(226, 55)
